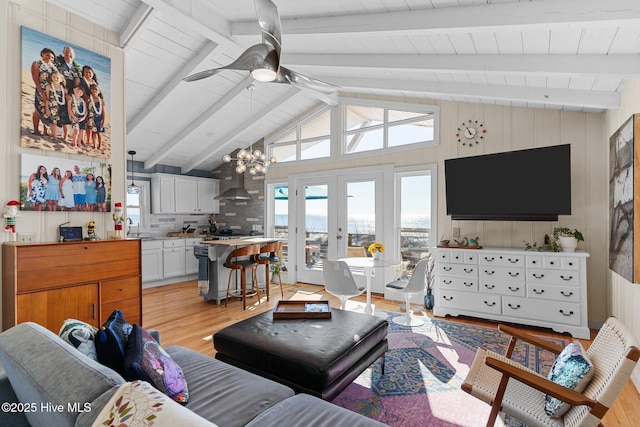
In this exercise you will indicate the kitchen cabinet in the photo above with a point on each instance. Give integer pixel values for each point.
(50, 282)
(183, 194)
(208, 189)
(190, 260)
(173, 258)
(152, 260)
(512, 285)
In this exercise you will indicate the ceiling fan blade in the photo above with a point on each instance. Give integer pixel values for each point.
(251, 57)
(285, 75)
(269, 21)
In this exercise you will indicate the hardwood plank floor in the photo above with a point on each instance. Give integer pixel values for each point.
(184, 318)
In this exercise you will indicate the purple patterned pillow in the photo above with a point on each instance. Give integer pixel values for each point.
(572, 369)
(146, 360)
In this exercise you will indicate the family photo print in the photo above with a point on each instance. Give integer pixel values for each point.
(66, 93)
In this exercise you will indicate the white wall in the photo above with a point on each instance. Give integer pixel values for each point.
(47, 18)
(623, 296)
(511, 128)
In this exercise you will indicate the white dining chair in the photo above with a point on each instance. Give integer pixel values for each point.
(416, 284)
(339, 281)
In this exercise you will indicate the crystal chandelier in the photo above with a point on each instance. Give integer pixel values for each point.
(253, 160)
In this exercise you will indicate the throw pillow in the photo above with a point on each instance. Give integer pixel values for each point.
(146, 360)
(80, 335)
(572, 369)
(111, 341)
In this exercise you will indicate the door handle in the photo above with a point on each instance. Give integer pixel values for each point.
(339, 237)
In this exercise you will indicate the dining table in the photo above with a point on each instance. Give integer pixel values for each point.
(368, 266)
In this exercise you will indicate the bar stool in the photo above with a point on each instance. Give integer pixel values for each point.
(243, 259)
(269, 254)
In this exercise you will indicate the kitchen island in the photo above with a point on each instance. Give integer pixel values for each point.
(218, 274)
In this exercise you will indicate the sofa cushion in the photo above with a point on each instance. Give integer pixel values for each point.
(43, 369)
(111, 341)
(310, 411)
(80, 335)
(146, 360)
(572, 369)
(224, 394)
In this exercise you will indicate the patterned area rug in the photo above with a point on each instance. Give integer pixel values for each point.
(424, 368)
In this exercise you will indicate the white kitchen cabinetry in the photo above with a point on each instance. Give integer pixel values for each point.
(208, 189)
(190, 260)
(547, 289)
(183, 194)
(163, 193)
(151, 260)
(173, 257)
(186, 195)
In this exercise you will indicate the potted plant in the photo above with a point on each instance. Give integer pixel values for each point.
(567, 238)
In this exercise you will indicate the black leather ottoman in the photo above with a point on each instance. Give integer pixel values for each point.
(316, 356)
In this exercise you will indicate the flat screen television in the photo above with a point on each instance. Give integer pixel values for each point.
(523, 185)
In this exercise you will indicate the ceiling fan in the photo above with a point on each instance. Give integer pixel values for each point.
(263, 60)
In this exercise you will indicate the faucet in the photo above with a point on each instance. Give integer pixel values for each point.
(130, 221)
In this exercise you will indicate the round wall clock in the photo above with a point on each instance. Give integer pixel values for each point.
(471, 132)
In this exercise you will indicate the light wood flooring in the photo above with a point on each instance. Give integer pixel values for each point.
(184, 318)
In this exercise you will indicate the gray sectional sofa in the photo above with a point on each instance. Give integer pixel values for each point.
(42, 369)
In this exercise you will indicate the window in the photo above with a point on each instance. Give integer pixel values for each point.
(311, 139)
(371, 127)
(138, 208)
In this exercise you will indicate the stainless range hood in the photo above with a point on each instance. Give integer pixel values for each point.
(236, 193)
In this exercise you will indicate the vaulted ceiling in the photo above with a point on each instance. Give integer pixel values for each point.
(563, 54)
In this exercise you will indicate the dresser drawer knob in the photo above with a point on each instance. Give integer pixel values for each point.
(566, 278)
(539, 292)
(467, 284)
(566, 294)
(513, 261)
(566, 314)
(516, 274)
(446, 298)
(489, 272)
(515, 307)
(446, 268)
(468, 270)
(538, 276)
(489, 259)
(489, 304)
(514, 289)
(446, 282)
(489, 286)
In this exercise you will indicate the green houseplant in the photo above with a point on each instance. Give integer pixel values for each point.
(567, 238)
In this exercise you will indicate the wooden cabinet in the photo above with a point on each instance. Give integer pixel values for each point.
(50, 282)
(183, 194)
(511, 285)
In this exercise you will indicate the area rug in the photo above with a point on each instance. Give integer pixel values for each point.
(424, 368)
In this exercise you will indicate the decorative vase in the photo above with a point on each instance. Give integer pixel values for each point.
(568, 244)
(376, 255)
(428, 299)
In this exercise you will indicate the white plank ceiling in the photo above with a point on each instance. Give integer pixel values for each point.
(563, 54)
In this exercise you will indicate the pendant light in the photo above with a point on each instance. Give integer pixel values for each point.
(132, 188)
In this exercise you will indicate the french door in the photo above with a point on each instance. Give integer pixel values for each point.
(336, 216)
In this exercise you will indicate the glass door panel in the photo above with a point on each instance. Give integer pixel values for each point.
(361, 217)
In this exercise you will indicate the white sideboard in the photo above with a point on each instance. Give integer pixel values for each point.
(547, 289)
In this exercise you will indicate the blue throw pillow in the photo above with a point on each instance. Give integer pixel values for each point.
(111, 341)
(572, 369)
(146, 360)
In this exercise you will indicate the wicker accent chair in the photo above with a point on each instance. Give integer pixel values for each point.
(520, 392)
